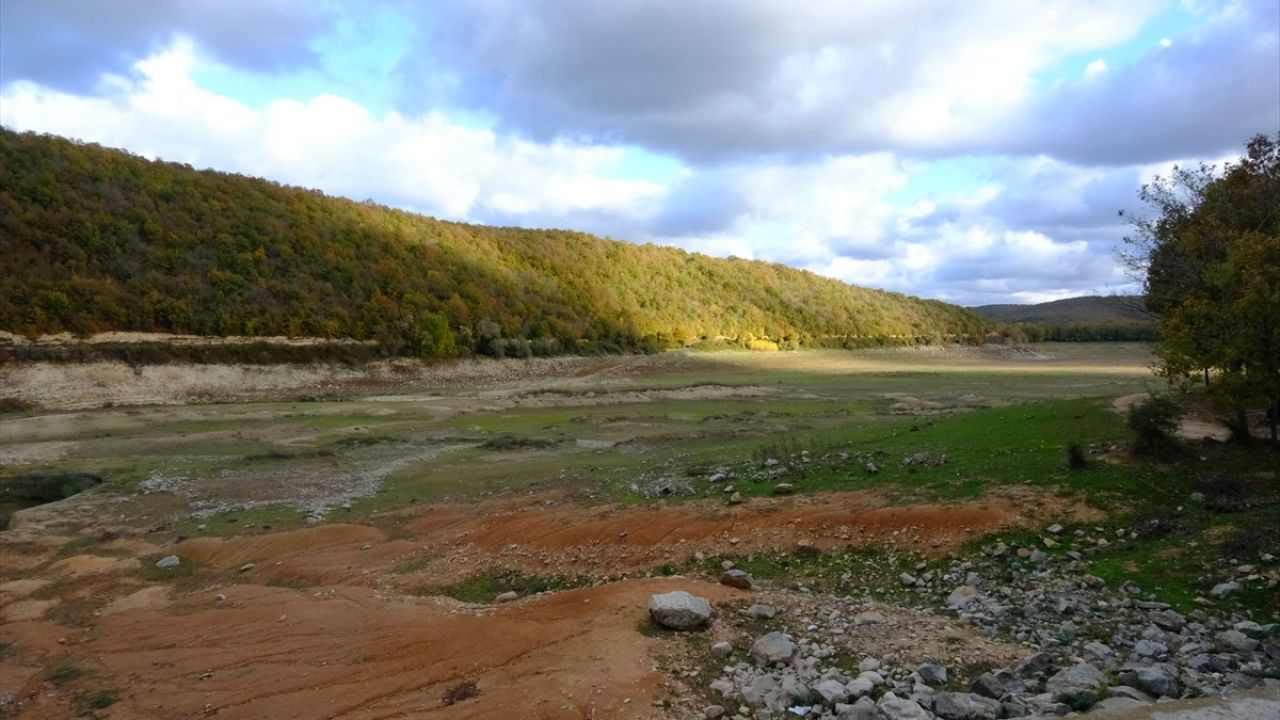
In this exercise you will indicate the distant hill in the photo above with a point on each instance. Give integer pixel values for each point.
(1088, 309)
(94, 239)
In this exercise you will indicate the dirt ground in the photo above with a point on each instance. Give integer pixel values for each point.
(344, 619)
(320, 622)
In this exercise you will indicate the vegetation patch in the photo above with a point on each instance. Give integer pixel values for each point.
(485, 587)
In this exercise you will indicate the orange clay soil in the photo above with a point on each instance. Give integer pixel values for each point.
(318, 627)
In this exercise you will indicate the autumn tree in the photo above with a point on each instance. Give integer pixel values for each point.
(1212, 260)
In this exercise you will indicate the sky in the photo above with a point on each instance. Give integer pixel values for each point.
(974, 152)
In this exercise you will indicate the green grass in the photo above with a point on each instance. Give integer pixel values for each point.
(63, 671)
(484, 587)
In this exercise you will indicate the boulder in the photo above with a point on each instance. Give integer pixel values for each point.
(896, 708)
(965, 706)
(1155, 680)
(931, 674)
(774, 647)
(679, 610)
(740, 579)
(1068, 684)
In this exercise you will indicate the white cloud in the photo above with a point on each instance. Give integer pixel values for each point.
(427, 163)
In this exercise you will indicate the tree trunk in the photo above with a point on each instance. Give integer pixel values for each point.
(1206, 377)
(1274, 417)
(1240, 428)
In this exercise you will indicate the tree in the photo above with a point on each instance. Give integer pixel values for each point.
(1212, 262)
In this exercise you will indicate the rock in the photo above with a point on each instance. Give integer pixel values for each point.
(962, 597)
(1117, 707)
(871, 468)
(931, 674)
(860, 686)
(832, 691)
(1034, 665)
(168, 561)
(1168, 620)
(711, 712)
(987, 685)
(896, 708)
(722, 649)
(1039, 557)
(965, 706)
(1068, 684)
(907, 579)
(1054, 529)
(1156, 680)
(869, 617)
(774, 647)
(735, 499)
(1237, 640)
(507, 596)
(864, 709)
(1098, 653)
(1128, 692)
(1149, 648)
(679, 610)
(868, 664)
(736, 578)
(783, 489)
(247, 567)
(761, 611)
(1224, 589)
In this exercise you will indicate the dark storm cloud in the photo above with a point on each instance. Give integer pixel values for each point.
(69, 44)
(1202, 96)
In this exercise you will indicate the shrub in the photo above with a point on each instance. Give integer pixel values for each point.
(1153, 422)
(1077, 458)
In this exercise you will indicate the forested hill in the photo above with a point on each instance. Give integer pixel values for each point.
(95, 239)
(1087, 309)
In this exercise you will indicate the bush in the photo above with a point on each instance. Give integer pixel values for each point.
(1077, 458)
(1153, 422)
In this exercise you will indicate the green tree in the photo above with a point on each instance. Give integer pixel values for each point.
(1212, 261)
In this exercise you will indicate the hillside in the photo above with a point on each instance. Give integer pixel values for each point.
(1089, 309)
(95, 239)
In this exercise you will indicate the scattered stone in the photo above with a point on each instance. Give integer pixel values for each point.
(1224, 589)
(869, 617)
(783, 489)
(722, 649)
(772, 648)
(1068, 684)
(736, 499)
(679, 610)
(737, 579)
(965, 706)
(761, 611)
(168, 561)
(711, 712)
(247, 567)
(1116, 706)
(1237, 640)
(962, 597)
(907, 579)
(871, 468)
(896, 708)
(1054, 529)
(507, 596)
(832, 691)
(932, 674)
(1155, 680)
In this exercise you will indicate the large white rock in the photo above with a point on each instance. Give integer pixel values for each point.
(679, 610)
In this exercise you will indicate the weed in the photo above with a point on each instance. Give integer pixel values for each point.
(464, 690)
(99, 700)
(63, 671)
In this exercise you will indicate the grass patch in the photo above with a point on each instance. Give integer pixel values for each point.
(484, 587)
(63, 671)
(98, 700)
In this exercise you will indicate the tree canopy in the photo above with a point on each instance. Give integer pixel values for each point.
(1212, 260)
(95, 239)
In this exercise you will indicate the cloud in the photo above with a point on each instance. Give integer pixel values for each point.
(427, 163)
(728, 79)
(1203, 95)
(69, 44)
